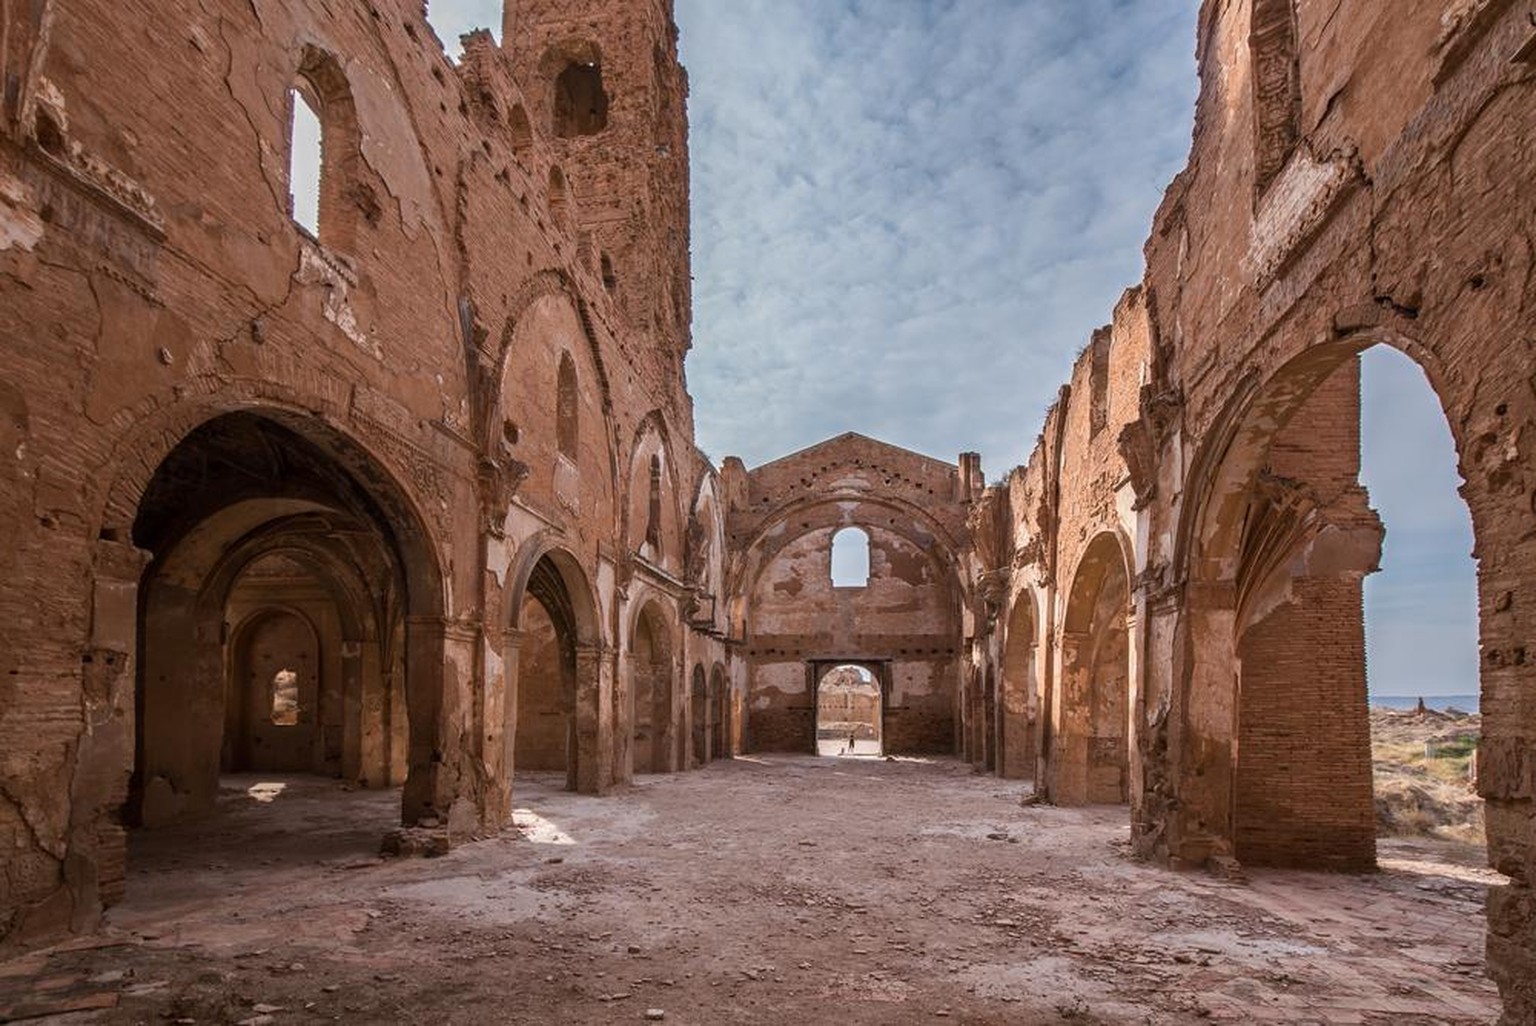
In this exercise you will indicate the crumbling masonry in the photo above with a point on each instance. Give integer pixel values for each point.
(410, 496)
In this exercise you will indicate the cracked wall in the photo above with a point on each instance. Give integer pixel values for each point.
(404, 364)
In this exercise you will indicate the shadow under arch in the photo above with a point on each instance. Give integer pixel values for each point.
(361, 710)
(1087, 737)
(567, 678)
(652, 672)
(1019, 694)
(200, 493)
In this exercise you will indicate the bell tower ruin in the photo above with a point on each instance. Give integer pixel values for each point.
(604, 86)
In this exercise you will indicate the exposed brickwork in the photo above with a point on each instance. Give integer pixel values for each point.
(906, 620)
(468, 391)
(406, 433)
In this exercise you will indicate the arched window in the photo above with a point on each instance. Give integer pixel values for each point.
(581, 104)
(305, 159)
(326, 193)
(567, 401)
(850, 558)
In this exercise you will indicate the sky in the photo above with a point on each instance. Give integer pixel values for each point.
(910, 215)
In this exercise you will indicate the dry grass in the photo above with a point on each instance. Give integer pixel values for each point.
(1424, 774)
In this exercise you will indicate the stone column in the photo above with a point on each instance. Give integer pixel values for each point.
(439, 786)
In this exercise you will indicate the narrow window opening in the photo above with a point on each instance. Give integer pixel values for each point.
(567, 432)
(653, 510)
(305, 159)
(850, 558)
(285, 698)
(610, 277)
(581, 103)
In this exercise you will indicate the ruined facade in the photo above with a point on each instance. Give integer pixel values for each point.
(793, 623)
(409, 495)
(1170, 590)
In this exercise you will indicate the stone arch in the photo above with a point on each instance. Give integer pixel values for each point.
(362, 719)
(555, 641)
(578, 100)
(773, 535)
(653, 517)
(721, 713)
(652, 658)
(552, 282)
(1019, 694)
(266, 472)
(155, 427)
(1089, 734)
(260, 707)
(1273, 547)
(541, 336)
(907, 621)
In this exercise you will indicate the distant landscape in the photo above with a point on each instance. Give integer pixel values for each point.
(1426, 769)
(1439, 703)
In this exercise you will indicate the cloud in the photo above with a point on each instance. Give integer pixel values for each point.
(909, 217)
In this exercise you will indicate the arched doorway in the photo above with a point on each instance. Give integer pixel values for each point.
(1017, 702)
(1090, 758)
(698, 716)
(850, 711)
(274, 715)
(720, 703)
(650, 660)
(546, 738)
(277, 571)
(1277, 549)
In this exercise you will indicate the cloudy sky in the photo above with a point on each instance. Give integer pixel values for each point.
(909, 216)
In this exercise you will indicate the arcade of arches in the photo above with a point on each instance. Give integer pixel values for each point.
(408, 497)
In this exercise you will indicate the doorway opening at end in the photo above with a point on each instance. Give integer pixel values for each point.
(850, 711)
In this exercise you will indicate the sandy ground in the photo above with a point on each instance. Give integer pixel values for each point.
(1425, 785)
(764, 890)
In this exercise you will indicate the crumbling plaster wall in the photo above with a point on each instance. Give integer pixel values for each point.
(1394, 216)
(153, 280)
(789, 616)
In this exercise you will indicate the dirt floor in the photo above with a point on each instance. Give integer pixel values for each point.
(762, 890)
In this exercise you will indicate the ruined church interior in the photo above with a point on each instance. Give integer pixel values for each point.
(380, 646)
